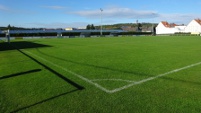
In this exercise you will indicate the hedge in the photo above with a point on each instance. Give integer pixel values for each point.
(2, 35)
(71, 34)
(184, 34)
(98, 33)
(32, 34)
(135, 33)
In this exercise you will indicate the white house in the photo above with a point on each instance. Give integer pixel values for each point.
(180, 28)
(194, 27)
(165, 28)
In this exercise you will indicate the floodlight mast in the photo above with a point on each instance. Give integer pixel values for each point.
(101, 30)
(153, 24)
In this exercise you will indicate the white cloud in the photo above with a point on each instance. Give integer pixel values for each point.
(178, 18)
(58, 24)
(4, 8)
(116, 12)
(54, 7)
(15, 11)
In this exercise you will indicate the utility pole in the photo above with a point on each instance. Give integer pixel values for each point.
(153, 27)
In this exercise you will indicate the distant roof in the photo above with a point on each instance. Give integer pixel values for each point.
(166, 24)
(198, 21)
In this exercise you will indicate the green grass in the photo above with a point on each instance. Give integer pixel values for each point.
(36, 78)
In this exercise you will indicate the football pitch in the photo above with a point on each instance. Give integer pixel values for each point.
(159, 74)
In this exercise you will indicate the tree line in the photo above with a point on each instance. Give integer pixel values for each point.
(90, 27)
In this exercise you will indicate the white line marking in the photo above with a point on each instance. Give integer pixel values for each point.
(71, 72)
(121, 88)
(155, 77)
(113, 80)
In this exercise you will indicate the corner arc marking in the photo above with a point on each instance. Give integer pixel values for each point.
(121, 80)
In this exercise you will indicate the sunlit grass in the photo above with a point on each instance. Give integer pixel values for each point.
(31, 84)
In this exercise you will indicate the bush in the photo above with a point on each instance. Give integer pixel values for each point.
(71, 33)
(2, 35)
(18, 38)
(135, 33)
(85, 34)
(184, 34)
(106, 33)
(95, 33)
(48, 34)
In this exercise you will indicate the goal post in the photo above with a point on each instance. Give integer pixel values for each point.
(7, 36)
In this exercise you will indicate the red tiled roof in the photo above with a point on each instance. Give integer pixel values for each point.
(198, 21)
(166, 24)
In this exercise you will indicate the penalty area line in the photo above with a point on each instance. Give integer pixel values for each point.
(71, 72)
(120, 88)
(153, 78)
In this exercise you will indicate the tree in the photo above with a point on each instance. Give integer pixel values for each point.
(154, 31)
(9, 27)
(139, 27)
(90, 27)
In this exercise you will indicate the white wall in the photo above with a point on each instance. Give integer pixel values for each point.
(193, 27)
(161, 29)
(180, 28)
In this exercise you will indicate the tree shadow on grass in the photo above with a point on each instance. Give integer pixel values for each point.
(77, 86)
(43, 101)
(20, 73)
(20, 45)
(180, 80)
(50, 69)
(24, 44)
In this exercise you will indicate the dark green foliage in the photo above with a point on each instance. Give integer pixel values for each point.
(98, 33)
(135, 33)
(90, 27)
(2, 35)
(32, 34)
(71, 33)
(9, 27)
(184, 34)
(95, 33)
(139, 27)
(13, 28)
(48, 34)
(85, 34)
(133, 26)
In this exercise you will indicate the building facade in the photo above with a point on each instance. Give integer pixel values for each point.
(194, 27)
(165, 28)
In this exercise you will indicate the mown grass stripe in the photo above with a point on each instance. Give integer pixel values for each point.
(155, 77)
(71, 72)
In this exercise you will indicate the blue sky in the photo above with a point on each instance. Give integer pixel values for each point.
(79, 13)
